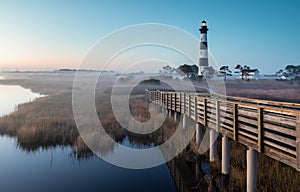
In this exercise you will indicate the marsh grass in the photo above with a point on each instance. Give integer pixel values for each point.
(272, 175)
(43, 123)
(48, 122)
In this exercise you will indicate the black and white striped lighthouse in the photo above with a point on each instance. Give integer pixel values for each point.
(203, 54)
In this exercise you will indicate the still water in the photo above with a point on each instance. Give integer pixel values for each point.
(56, 169)
(11, 96)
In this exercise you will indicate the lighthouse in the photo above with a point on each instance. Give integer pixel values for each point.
(203, 54)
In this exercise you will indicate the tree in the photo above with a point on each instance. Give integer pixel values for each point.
(292, 71)
(243, 70)
(190, 71)
(224, 70)
(167, 69)
(208, 72)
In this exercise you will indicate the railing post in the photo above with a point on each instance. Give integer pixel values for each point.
(298, 141)
(166, 100)
(171, 100)
(190, 106)
(184, 103)
(184, 116)
(175, 102)
(180, 102)
(205, 112)
(260, 113)
(199, 135)
(235, 122)
(217, 116)
(146, 94)
(162, 99)
(196, 109)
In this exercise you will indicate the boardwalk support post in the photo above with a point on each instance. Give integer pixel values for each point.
(213, 145)
(199, 134)
(185, 121)
(239, 120)
(176, 116)
(225, 155)
(170, 112)
(251, 170)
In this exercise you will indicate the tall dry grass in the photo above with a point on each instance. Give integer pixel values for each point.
(272, 175)
(48, 122)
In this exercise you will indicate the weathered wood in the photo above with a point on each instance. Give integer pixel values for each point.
(223, 126)
(225, 115)
(267, 127)
(277, 146)
(291, 132)
(205, 111)
(175, 105)
(225, 120)
(210, 110)
(247, 128)
(248, 120)
(280, 156)
(180, 99)
(211, 125)
(259, 101)
(226, 132)
(184, 108)
(235, 122)
(283, 121)
(190, 104)
(279, 138)
(217, 115)
(247, 113)
(260, 114)
(248, 136)
(298, 141)
(196, 108)
(248, 142)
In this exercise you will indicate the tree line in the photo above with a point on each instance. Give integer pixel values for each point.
(191, 71)
(290, 71)
(244, 71)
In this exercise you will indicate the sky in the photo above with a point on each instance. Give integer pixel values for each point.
(51, 34)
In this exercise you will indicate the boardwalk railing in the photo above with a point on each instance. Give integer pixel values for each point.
(269, 127)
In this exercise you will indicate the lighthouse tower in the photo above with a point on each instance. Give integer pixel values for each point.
(203, 55)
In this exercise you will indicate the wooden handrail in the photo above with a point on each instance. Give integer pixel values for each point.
(270, 127)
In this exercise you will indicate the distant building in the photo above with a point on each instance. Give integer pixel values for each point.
(251, 74)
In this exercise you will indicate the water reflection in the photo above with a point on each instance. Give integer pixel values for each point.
(40, 167)
(12, 96)
(54, 170)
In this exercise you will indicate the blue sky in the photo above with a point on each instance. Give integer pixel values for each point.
(52, 34)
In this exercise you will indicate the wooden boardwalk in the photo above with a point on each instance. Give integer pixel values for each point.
(269, 127)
